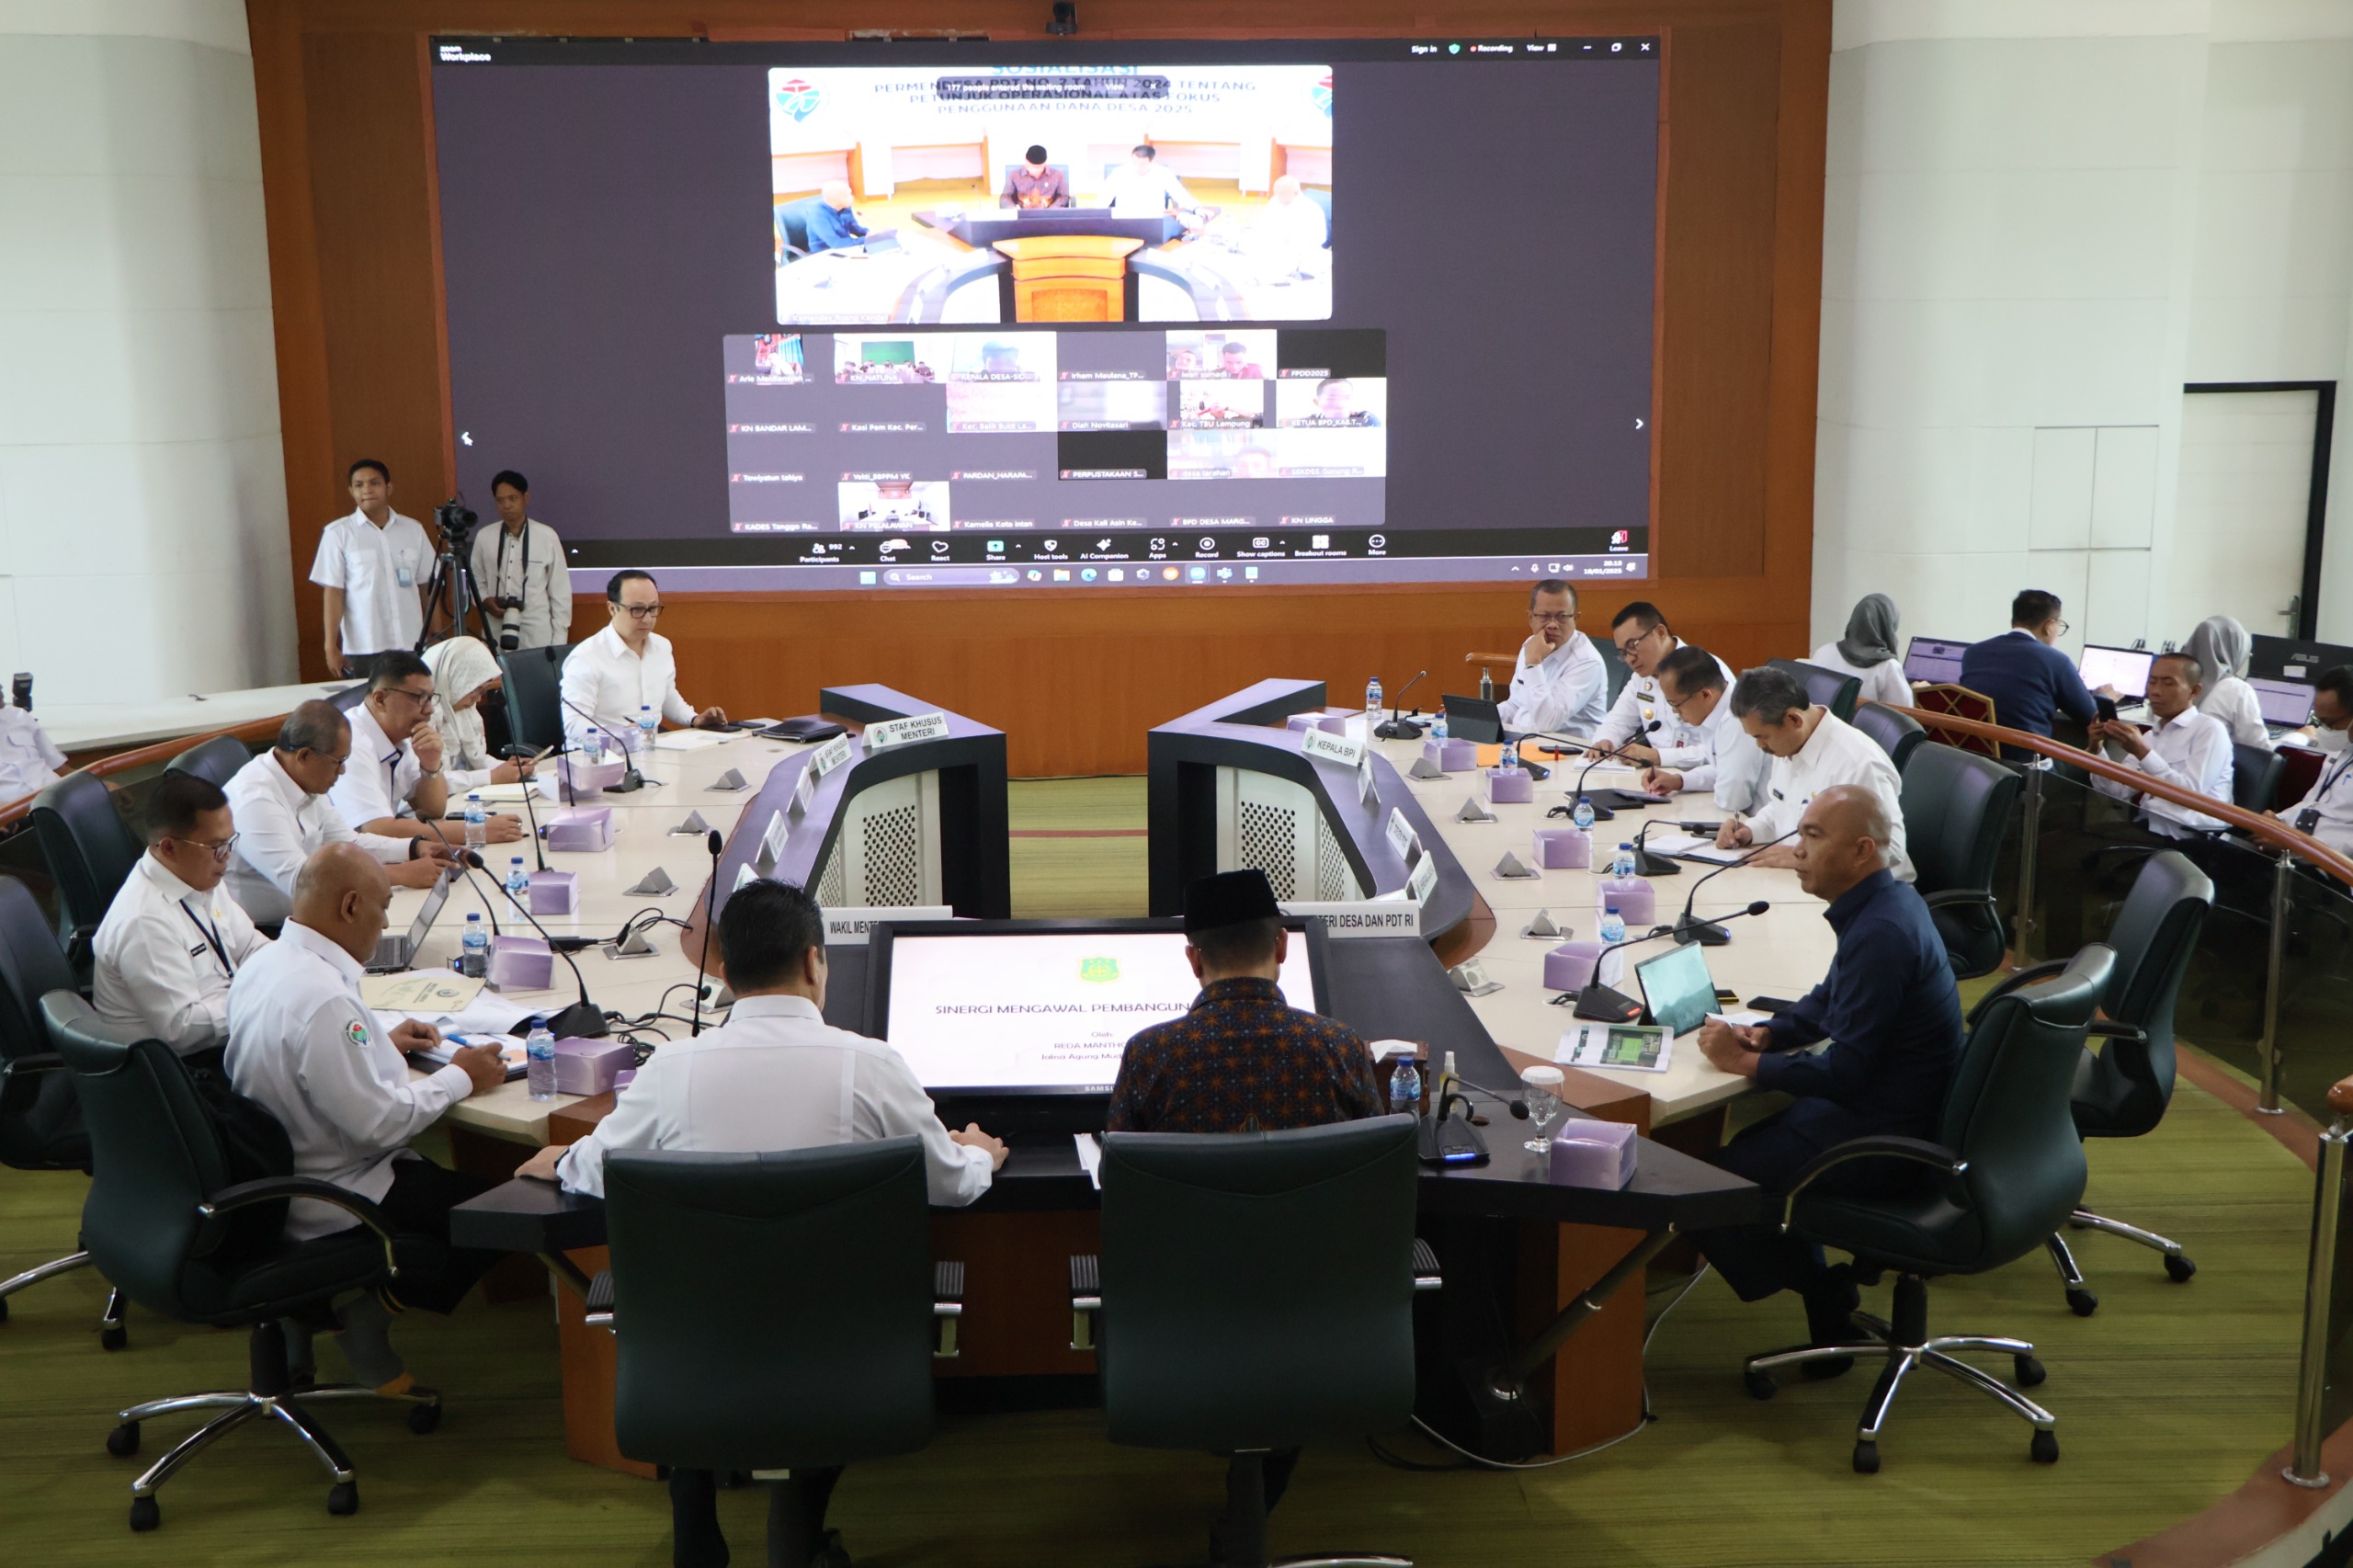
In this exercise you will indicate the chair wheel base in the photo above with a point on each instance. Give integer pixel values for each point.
(2180, 1269)
(2045, 1448)
(113, 1337)
(145, 1514)
(2082, 1302)
(2029, 1371)
(1866, 1459)
(123, 1441)
(1760, 1385)
(343, 1498)
(424, 1418)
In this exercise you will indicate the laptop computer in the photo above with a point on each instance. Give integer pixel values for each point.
(1677, 988)
(2126, 669)
(1933, 659)
(2286, 704)
(397, 952)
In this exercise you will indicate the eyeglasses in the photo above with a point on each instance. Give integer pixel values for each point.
(220, 849)
(1626, 648)
(642, 612)
(420, 698)
(1552, 617)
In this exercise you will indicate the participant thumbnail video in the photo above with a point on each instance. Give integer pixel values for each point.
(1335, 402)
(1002, 383)
(1220, 454)
(776, 359)
(1221, 405)
(907, 359)
(900, 506)
(1232, 355)
(1331, 453)
(1112, 406)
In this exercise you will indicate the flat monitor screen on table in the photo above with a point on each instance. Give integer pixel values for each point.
(2288, 702)
(2125, 669)
(1933, 659)
(1040, 1011)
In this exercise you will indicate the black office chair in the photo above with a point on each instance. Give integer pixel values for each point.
(1833, 689)
(216, 761)
(351, 697)
(1955, 809)
(1898, 735)
(2122, 1089)
(533, 682)
(166, 1223)
(1256, 1294)
(40, 1124)
(2007, 1168)
(2256, 772)
(90, 850)
(774, 1311)
(1615, 672)
(793, 225)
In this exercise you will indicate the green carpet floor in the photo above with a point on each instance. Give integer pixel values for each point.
(2166, 1401)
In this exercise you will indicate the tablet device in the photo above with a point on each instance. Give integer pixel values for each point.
(1677, 988)
(1468, 719)
(2126, 669)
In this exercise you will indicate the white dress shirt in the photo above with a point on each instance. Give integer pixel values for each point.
(165, 955)
(776, 1077)
(2330, 798)
(529, 572)
(382, 573)
(604, 679)
(1836, 753)
(1735, 768)
(1565, 693)
(280, 826)
(381, 780)
(303, 1044)
(29, 760)
(1147, 195)
(2233, 702)
(1680, 746)
(2192, 750)
(1289, 234)
(1882, 682)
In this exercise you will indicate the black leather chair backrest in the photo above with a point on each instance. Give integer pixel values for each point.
(1257, 1288)
(351, 697)
(1614, 670)
(216, 761)
(89, 848)
(1955, 809)
(1898, 735)
(533, 682)
(41, 1126)
(774, 1311)
(2008, 1112)
(2254, 777)
(2126, 1086)
(793, 219)
(1833, 689)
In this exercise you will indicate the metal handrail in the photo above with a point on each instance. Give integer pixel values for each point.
(2320, 1275)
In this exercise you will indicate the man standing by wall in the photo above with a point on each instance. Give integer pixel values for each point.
(371, 567)
(519, 566)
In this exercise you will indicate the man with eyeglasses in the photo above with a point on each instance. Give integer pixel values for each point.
(284, 816)
(1560, 683)
(393, 785)
(173, 939)
(1643, 640)
(2326, 810)
(626, 667)
(2024, 672)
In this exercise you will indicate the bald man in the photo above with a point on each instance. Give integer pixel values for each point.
(833, 221)
(303, 1044)
(1892, 1013)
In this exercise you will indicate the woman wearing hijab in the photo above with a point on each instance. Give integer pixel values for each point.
(463, 673)
(1868, 651)
(2221, 646)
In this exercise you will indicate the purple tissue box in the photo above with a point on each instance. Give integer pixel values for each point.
(1504, 789)
(520, 963)
(1562, 848)
(1633, 899)
(1569, 966)
(1454, 757)
(1331, 723)
(589, 1066)
(1593, 1154)
(583, 828)
(578, 776)
(554, 893)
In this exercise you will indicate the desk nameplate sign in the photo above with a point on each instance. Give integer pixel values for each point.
(1402, 837)
(1367, 792)
(744, 873)
(804, 788)
(848, 927)
(1423, 882)
(1361, 917)
(916, 727)
(1331, 747)
(772, 842)
(832, 755)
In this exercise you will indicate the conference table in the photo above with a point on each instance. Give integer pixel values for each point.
(1573, 1346)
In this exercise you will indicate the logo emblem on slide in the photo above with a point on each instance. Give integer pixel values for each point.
(799, 99)
(1099, 971)
(1323, 95)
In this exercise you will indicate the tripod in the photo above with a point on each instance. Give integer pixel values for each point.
(453, 574)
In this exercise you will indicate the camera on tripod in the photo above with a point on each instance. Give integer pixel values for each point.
(457, 522)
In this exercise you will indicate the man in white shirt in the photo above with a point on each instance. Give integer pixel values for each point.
(1643, 638)
(1694, 687)
(393, 777)
(303, 1045)
(2326, 810)
(173, 939)
(2189, 746)
(1559, 683)
(1287, 237)
(1145, 189)
(774, 1078)
(29, 760)
(1811, 749)
(284, 816)
(527, 592)
(624, 667)
(373, 567)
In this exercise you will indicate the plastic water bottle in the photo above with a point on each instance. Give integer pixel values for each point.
(1372, 709)
(518, 883)
(477, 823)
(473, 949)
(597, 746)
(1613, 927)
(1438, 725)
(1405, 1088)
(1622, 867)
(1583, 814)
(1509, 761)
(646, 726)
(538, 1073)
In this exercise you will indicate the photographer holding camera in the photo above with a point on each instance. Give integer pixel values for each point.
(527, 593)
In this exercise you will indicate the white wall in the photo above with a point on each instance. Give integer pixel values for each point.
(2042, 217)
(143, 510)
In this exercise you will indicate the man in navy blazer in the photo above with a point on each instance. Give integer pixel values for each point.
(2026, 676)
(1892, 1013)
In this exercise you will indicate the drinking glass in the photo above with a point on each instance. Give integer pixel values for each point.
(1542, 1091)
